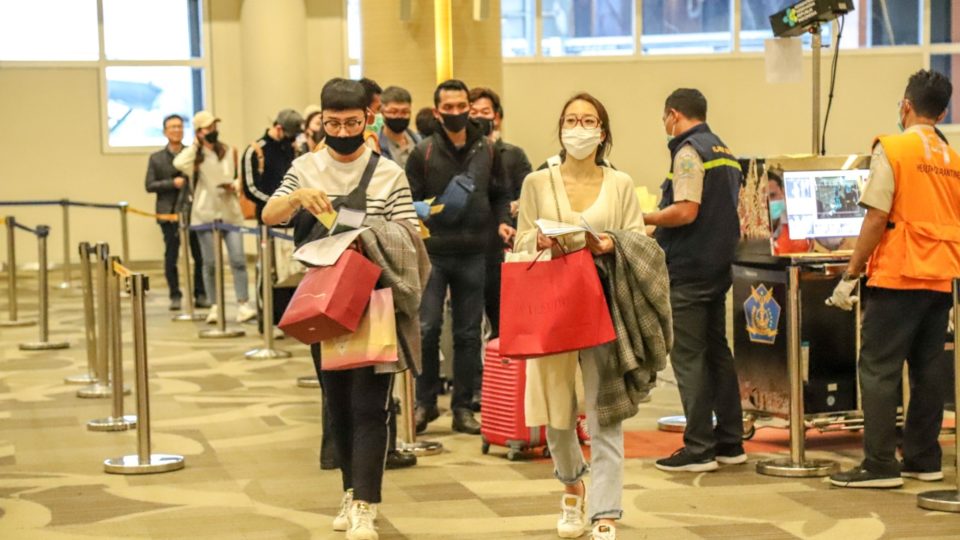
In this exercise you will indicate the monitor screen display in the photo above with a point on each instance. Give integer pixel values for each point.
(824, 204)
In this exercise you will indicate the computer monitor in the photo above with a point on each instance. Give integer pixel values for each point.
(824, 204)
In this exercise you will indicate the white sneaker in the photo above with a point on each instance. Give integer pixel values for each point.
(361, 523)
(573, 519)
(603, 532)
(212, 315)
(245, 312)
(342, 521)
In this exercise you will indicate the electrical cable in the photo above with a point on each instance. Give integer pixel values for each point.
(833, 83)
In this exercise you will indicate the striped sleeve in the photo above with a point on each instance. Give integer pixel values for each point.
(398, 205)
(291, 183)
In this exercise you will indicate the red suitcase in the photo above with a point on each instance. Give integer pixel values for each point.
(502, 420)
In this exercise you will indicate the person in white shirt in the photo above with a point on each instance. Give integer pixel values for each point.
(212, 166)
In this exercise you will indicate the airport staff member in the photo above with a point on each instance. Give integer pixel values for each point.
(911, 235)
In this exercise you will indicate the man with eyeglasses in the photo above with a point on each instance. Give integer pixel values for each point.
(168, 183)
(397, 140)
(457, 168)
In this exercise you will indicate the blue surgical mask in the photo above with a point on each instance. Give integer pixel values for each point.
(777, 208)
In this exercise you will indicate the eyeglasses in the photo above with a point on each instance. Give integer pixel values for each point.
(351, 124)
(588, 121)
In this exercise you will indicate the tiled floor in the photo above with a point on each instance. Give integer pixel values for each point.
(250, 438)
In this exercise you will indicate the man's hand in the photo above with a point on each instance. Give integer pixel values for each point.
(514, 208)
(506, 233)
(179, 181)
(842, 296)
(601, 244)
(312, 200)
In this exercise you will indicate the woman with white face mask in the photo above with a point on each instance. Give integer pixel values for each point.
(579, 189)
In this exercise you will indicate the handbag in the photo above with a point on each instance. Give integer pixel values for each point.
(289, 271)
(373, 342)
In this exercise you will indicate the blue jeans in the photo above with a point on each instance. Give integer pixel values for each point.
(238, 263)
(464, 275)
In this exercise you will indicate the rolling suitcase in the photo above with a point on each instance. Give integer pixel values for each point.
(502, 421)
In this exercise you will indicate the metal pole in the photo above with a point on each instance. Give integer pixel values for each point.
(101, 388)
(144, 461)
(89, 319)
(221, 330)
(116, 421)
(948, 500)
(12, 320)
(189, 313)
(308, 381)
(410, 442)
(816, 47)
(265, 250)
(124, 229)
(797, 465)
(67, 277)
(43, 299)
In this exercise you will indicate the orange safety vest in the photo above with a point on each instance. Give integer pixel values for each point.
(921, 247)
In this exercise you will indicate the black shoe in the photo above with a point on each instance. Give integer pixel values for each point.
(464, 422)
(731, 454)
(424, 415)
(400, 460)
(174, 304)
(475, 403)
(921, 473)
(858, 477)
(201, 302)
(681, 460)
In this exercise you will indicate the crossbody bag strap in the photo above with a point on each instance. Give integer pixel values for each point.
(368, 172)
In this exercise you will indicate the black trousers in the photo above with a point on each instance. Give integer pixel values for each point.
(903, 325)
(491, 291)
(357, 402)
(171, 253)
(703, 365)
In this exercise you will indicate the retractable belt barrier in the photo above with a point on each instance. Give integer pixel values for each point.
(218, 227)
(89, 318)
(43, 300)
(13, 319)
(265, 255)
(105, 334)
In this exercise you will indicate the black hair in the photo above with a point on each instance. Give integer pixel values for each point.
(929, 92)
(170, 117)
(688, 101)
(604, 117)
(451, 85)
(340, 94)
(395, 94)
(426, 123)
(479, 92)
(370, 89)
(774, 175)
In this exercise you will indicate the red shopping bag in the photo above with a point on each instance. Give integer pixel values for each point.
(551, 307)
(330, 300)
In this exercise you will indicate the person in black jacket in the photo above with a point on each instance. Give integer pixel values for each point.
(167, 182)
(456, 155)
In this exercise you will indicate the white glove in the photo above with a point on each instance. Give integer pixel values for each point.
(843, 295)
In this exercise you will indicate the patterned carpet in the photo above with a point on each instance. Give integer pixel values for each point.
(250, 437)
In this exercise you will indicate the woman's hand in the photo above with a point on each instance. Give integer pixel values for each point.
(506, 233)
(312, 200)
(601, 244)
(544, 242)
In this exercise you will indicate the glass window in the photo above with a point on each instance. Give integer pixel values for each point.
(45, 30)
(755, 22)
(138, 98)
(944, 28)
(687, 26)
(517, 26)
(354, 40)
(151, 29)
(587, 27)
(949, 65)
(889, 23)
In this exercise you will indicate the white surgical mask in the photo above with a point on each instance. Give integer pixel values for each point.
(580, 142)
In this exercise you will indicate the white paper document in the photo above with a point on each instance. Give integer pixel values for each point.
(326, 251)
(555, 228)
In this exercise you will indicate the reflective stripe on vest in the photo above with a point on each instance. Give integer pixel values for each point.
(714, 163)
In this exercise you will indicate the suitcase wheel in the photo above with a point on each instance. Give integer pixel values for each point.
(485, 447)
(513, 455)
(546, 452)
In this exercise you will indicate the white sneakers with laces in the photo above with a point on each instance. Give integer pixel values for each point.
(245, 312)
(573, 519)
(212, 317)
(342, 521)
(361, 522)
(603, 532)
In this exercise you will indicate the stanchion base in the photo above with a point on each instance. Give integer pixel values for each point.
(113, 423)
(422, 448)
(946, 500)
(98, 390)
(17, 323)
(266, 354)
(810, 468)
(83, 378)
(673, 424)
(44, 345)
(219, 334)
(188, 317)
(63, 285)
(159, 463)
(308, 382)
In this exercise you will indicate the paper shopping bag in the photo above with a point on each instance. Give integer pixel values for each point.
(374, 341)
(551, 307)
(330, 300)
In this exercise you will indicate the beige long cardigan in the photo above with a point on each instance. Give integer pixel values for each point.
(554, 391)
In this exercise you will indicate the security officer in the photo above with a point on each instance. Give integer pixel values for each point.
(698, 229)
(911, 235)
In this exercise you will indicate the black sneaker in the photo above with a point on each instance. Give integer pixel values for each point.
(464, 422)
(918, 473)
(731, 455)
(400, 460)
(201, 302)
(423, 415)
(174, 304)
(681, 460)
(858, 477)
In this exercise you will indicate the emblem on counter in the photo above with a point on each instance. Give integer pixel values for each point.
(763, 315)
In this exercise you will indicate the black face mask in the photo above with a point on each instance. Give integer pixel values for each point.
(317, 136)
(212, 136)
(397, 125)
(485, 125)
(345, 145)
(455, 123)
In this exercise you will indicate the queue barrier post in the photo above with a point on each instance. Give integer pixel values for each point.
(144, 461)
(221, 330)
(308, 381)
(266, 253)
(409, 443)
(190, 310)
(103, 388)
(124, 206)
(67, 271)
(12, 317)
(948, 500)
(89, 318)
(43, 298)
